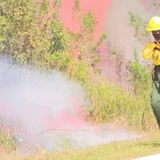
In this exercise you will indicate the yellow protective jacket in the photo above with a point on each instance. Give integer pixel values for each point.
(152, 50)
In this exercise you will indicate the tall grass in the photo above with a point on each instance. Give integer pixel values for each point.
(112, 102)
(6, 141)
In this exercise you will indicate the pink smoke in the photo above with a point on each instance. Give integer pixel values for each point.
(72, 117)
(99, 8)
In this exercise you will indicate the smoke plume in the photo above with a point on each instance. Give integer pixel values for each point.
(120, 32)
(47, 110)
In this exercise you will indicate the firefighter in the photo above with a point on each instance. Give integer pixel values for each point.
(152, 51)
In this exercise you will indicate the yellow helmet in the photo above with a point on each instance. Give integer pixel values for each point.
(154, 24)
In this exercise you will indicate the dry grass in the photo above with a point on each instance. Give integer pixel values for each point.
(125, 150)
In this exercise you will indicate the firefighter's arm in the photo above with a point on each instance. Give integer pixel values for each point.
(156, 57)
(148, 50)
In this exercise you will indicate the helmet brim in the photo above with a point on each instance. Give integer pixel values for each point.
(151, 29)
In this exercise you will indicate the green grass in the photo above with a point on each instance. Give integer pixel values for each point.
(6, 141)
(125, 150)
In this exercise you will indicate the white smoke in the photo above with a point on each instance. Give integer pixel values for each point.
(44, 110)
(30, 101)
(120, 32)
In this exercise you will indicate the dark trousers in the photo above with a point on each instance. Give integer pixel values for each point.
(155, 101)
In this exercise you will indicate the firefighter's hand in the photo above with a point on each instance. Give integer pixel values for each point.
(148, 50)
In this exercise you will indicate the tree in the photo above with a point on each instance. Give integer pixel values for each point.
(26, 41)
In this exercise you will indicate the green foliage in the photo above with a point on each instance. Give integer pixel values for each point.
(77, 4)
(89, 21)
(140, 75)
(81, 74)
(60, 41)
(3, 31)
(44, 7)
(27, 42)
(61, 60)
(109, 102)
(6, 140)
(139, 26)
(60, 38)
(57, 3)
